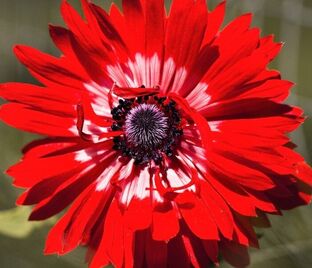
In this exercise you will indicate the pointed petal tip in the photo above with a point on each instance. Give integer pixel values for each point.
(10, 170)
(48, 250)
(16, 48)
(19, 49)
(20, 200)
(33, 217)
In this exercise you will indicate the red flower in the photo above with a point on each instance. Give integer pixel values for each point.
(166, 135)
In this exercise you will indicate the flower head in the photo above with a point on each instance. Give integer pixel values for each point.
(165, 135)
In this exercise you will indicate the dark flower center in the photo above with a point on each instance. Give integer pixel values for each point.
(151, 125)
(146, 126)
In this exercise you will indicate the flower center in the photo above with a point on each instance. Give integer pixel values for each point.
(146, 126)
(151, 127)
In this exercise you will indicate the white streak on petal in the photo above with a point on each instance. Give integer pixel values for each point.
(87, 154)
(154, 64)
(179, 79)
(99, 98)
(177, 178)
(141, 63)
(214, 126)
(73, 129)
(194, 154)
(198, 98)
(141, 71)
(143, 184)
(138, 187)
(105, 178)
(91, 128)
(126, 170)
(196, 150)
(82, 156)
(117, 74)
(168, 72)
(137, 79)
(173, 178)
(157, 197)
(126, 194)
(96, 89)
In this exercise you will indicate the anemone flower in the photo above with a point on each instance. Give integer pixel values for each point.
(164, 134)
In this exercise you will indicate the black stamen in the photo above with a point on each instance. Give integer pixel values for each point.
(161, 100)
(139, 99)
(115, 126)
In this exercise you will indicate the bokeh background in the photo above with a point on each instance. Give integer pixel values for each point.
(287, 244)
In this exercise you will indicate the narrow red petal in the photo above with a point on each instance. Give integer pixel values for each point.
(166, 218)
(215, 19)
(196, 216)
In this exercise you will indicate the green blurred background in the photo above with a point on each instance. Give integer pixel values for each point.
(287, 244)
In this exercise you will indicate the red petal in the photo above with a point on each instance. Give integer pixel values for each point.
(235, 254)
(215, 19)
(134, 19)
(154, 27)
(93, 61)
(29, 119)
(204, 60)
(83, 222)
(61, 38)
(245, 108)
(129, 93)
(79, 27)
(177, 254)
(45, 188)
(236, 198)
(269, 47)
(138, 215)
(219, 210)
(200, 121)
(237, 26)
(156, 252)
(197, 216)
(51, 146)
(168, 218)
(55, 239)
(194, 247)
(212, 250)
(273, 89)
(185, 30)
(236, 76)
(39, 169)
(139, 248)
(304, 172)
(44, 99)
(262, 201)
(69, 231)
(112, 241)
(240, 173)
(190, 251)
(49, 68)
(107, 28)
(69, 191)
(245, 235)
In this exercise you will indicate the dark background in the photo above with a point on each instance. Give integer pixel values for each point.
(287, 244)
